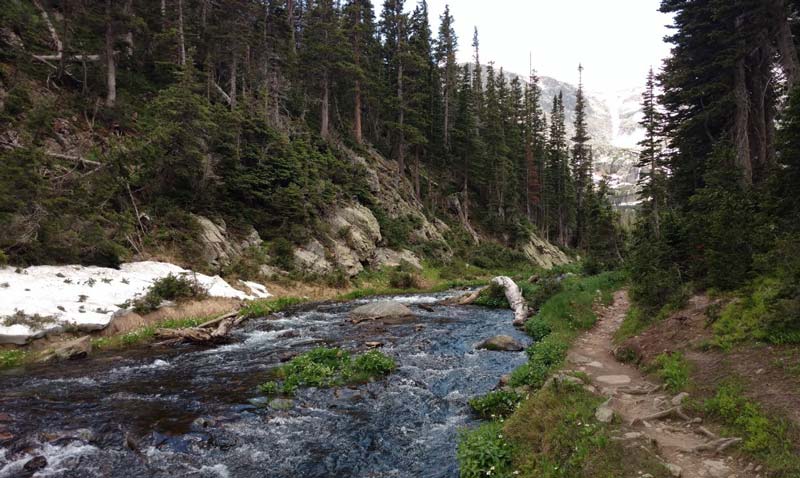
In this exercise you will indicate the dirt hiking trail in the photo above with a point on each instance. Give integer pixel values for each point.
(651, 418)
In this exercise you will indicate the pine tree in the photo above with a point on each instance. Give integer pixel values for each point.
(394, 29)
(359, 27)
(580, 161)
(445, 54)
(652, 181)
(535, 128)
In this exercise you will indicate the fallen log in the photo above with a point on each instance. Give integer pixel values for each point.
(464, 299)
(514, 297)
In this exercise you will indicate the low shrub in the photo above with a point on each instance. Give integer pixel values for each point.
(171, 287)
(484, 452)
(12, 358)
(496, 404)
(281, 252)
(673, 370)
(537, 329)
(493, 296)
(549, 352)
(767, 438)
(400, 279)
(328, 367)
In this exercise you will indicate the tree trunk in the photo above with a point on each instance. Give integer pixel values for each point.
(324, 129)
(785, 41)
(401, 146)
(111, 67)
(357, 129)
(233, 82)
(181, 39)
(446, 112)
(742, 122)
(514, 297)
(290, 19)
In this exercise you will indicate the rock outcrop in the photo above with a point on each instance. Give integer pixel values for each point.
(543, 253)
(385, 257)
(219, 247)
(72, 350)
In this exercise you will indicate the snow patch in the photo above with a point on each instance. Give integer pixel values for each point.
(88, 296)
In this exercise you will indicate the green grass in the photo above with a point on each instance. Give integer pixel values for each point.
(562, 316)
(768, 439)
(327, 367)
(554, 435)
(265, 307)
(146, 334)
(496, 404)
(12, 358)
(673, 369)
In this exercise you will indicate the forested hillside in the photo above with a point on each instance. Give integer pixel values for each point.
(721, 208)
(122, 121)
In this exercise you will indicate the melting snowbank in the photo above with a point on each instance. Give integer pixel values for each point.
(88, 297)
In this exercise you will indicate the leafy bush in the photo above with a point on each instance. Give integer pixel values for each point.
(170, 287)
(674, 370)
(496, 404)
(484, 452)
(401, 279)
(768, 438)
(282, 253)
(328, 367)
(537, 329)
(493, 296)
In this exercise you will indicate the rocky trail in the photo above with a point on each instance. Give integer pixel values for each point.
(650, 417)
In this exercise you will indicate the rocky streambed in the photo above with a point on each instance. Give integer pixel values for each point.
(197, 411)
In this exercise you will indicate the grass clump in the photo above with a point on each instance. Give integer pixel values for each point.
(12, 358)
(537, 329)
(171, 287)
(554, 434)
(265, 307)
(496, 404)
(484, 452)
(33, 322)
(768, 439)
(673, 369)
(328, 367)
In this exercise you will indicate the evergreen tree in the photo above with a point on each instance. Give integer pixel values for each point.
(580, 160)
(359, 27)
(653, 178)
(445, 54)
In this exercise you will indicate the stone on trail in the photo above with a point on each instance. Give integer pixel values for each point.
(614, 379)
(385, 310)
(604, 413)
(679, 398)
(674, 470)
(501, 343)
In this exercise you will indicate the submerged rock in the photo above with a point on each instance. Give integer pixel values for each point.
(281, 403)
(386, 310)
(501, 343)
(35, 464)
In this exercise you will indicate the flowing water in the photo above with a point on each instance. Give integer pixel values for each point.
(189, 412)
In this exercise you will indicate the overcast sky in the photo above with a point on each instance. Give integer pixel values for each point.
(616, 40)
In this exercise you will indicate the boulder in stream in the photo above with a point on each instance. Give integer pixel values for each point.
(72, 350)
(501, 343)
(386, 310)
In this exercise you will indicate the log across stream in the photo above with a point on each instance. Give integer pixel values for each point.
(196, 411)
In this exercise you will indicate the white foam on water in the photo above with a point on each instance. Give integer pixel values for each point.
(59, 459)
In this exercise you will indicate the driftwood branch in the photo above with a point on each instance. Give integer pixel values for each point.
(464, 299)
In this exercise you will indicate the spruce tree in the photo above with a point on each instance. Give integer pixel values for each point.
(652, 181)
(580, 161)
(445, 54)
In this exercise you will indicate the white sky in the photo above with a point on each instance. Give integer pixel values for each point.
(616, 40)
